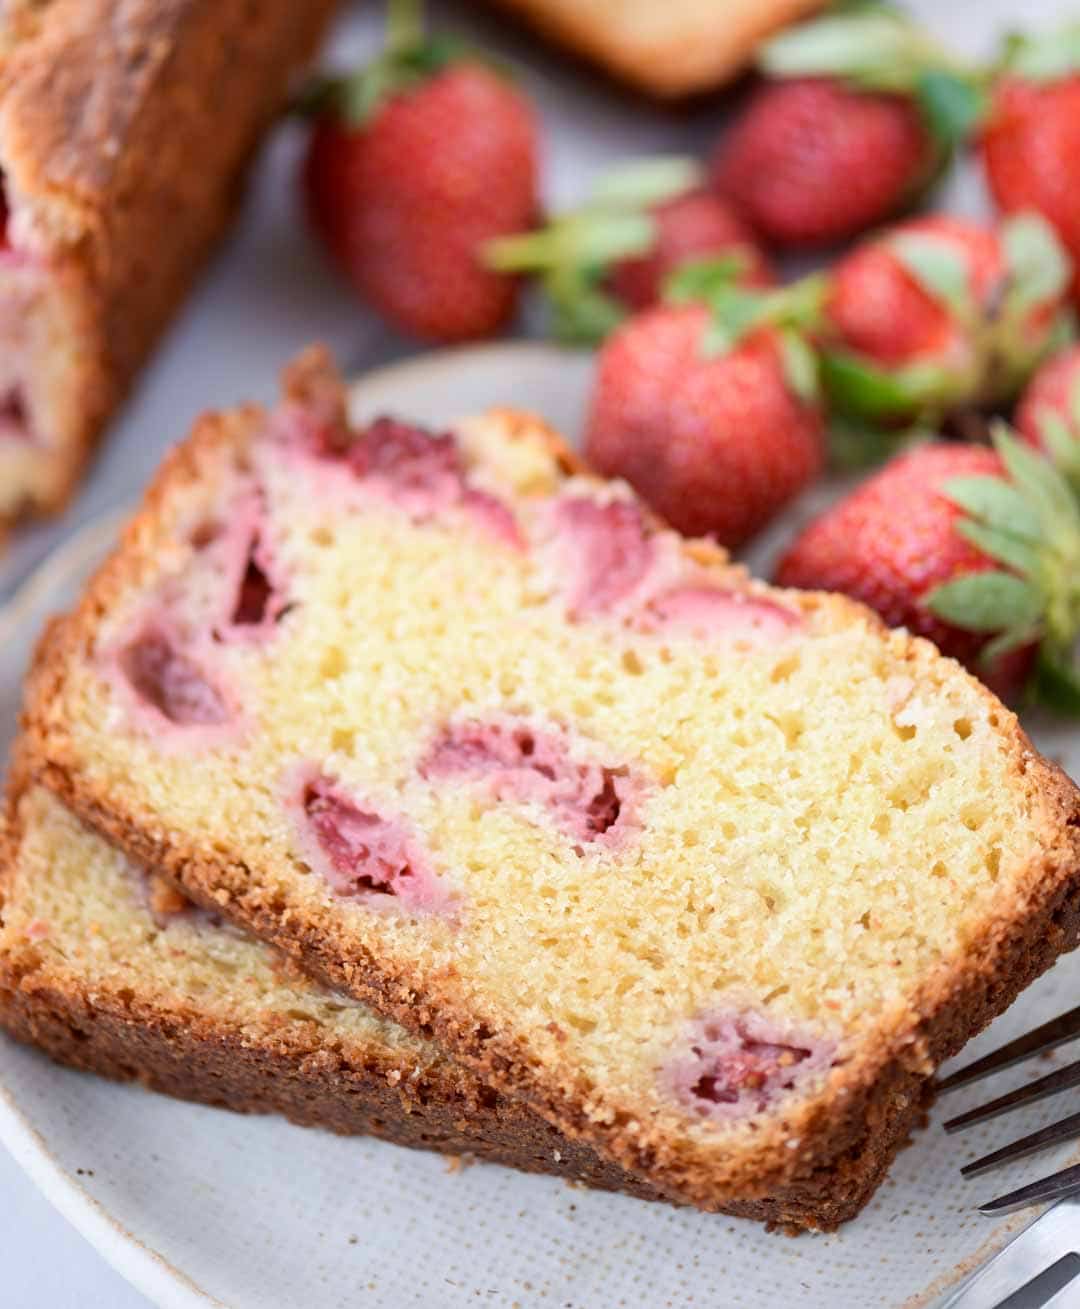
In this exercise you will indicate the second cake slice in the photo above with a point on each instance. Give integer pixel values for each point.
(711, 875)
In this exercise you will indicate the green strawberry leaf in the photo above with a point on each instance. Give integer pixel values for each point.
(997, 503)
(601, 238)
(938, 267)
(859, 389)
(1013, 551)
(1056, 681)
(987, 602)
(1030, 523)
(408, 59)
(1045, 56)
(873, 47)
(854, 446)
(356, 98)
(737, 310)
(1061, 442)
(590, 239)
(1005, 643)
(614, 225)
(527, 252)
(1039, 482)
(734, 314)
(642, 183)
(1039, 269)
(582, 313)
(800, 366)
(801, 303)
(703, 279)
(952, 105)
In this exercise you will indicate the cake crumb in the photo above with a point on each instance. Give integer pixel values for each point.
(165, 899)
(456, 1163)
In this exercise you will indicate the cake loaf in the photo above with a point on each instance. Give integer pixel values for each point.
(107, 969)
(124, 129)
(711, 875)
(669, 50)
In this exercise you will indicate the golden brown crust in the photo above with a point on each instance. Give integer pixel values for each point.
(187, 1056)
(669, 50)
(883, 1083)
(178, 1054)
(125, 126)
(286, 1067)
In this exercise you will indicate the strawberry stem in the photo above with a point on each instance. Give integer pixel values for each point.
(738, 310)
(1044, 56)
(572, 255)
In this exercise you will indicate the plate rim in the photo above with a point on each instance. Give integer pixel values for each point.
(145, 1268)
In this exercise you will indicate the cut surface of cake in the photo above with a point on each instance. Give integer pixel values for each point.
(124, 129)
(711, 875)
(107, 968)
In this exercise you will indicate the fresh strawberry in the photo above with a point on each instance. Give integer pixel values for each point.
(1031, 135)
(694, 225)
(860, 113)
(1048, 415)
(614, 254)
(810, 162)
(414, 163)
(717, 434)
(942, 313)
(975, 549)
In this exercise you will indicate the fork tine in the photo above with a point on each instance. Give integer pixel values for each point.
(1055, 1187)
(1056, 1032)
(1066, 1130)
(1060, 1080)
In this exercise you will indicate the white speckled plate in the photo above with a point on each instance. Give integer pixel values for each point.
(197, 1206)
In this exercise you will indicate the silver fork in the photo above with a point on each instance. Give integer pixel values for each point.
(1041, 1266)
(1047, 1037)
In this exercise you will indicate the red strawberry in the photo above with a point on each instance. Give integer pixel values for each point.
(1031, 136)
(861, 112)
(939, 313)
(614, 254)
(409, 172)
(716, 443)
(923, 543)
(1052, 394)
(1048, 415)
(810, 162)
(691, 226)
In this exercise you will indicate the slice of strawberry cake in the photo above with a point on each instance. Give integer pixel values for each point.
(104, 966)
(710, 875)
